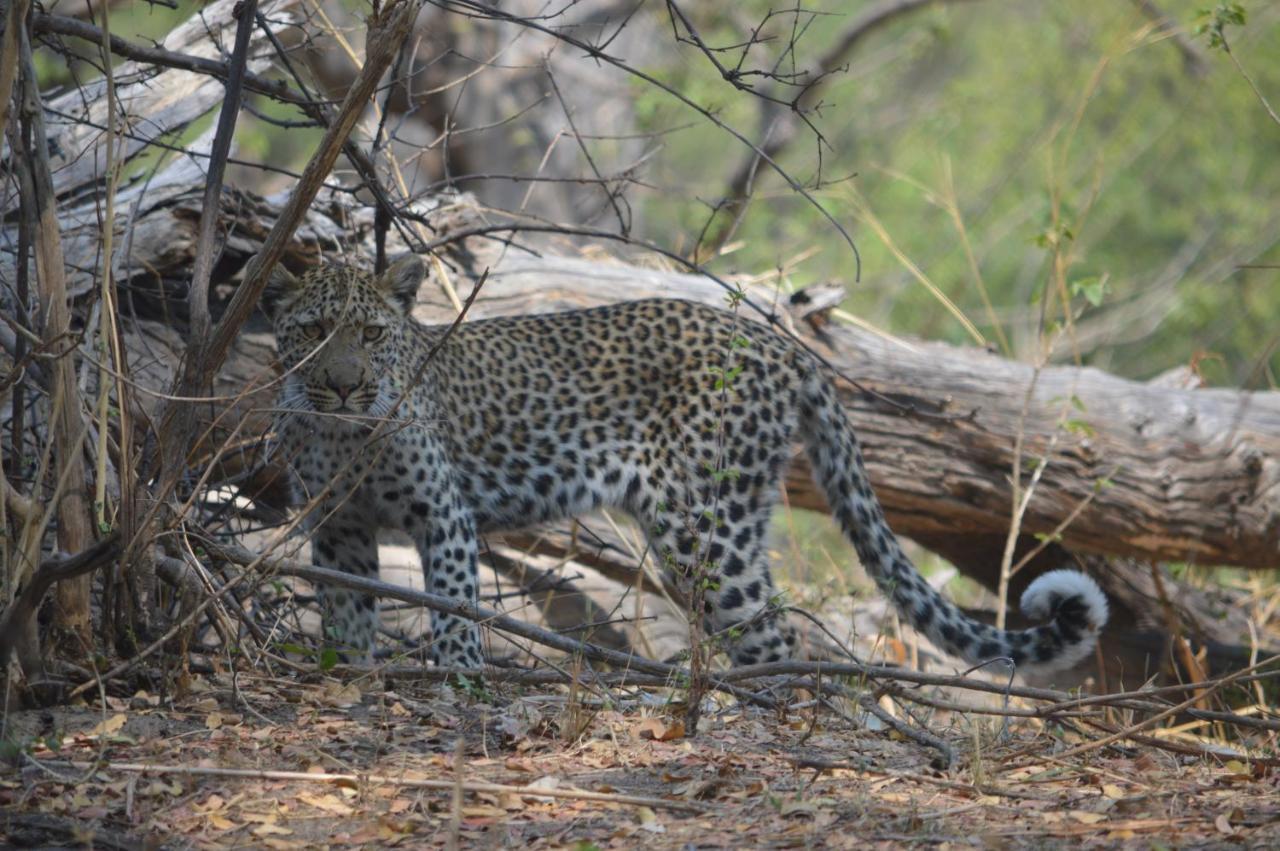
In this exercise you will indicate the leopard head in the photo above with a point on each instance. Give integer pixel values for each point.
(339, 331)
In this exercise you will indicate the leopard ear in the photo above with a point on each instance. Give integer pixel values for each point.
(282, 286)
(402, 279)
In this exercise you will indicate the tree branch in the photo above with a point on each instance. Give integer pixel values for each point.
(44, 23)
(779, 122)
(386, 32)
(20, 612)
(75, 530)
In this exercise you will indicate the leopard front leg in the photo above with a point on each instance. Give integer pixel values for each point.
(445, 533)
(345, 541)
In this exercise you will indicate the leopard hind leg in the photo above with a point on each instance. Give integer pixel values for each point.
(717, 549)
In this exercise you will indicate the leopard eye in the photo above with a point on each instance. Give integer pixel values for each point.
(313, 330)
(373, 333)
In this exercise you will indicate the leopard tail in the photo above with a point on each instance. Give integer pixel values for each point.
(1072, 605)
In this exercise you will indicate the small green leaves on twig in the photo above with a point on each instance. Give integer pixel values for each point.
(1214, 22)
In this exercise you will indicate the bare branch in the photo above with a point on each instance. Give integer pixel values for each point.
(478, 9)
(1193, 60)
(21, 611)
(44, 23)
(15, 21)
(198, 296)
(779, 117)
(75, 532)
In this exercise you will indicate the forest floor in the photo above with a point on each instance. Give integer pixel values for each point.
(313, 761)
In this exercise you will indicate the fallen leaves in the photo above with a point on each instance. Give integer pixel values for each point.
(739, 776)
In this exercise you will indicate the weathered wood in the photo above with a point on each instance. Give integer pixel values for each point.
(1167, 473)
(75, 526)
(155, 104)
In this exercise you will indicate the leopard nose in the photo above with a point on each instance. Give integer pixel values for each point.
(343, 389)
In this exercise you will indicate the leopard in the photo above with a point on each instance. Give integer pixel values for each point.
(682, 415)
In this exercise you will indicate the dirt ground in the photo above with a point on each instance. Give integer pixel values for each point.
(316, 761)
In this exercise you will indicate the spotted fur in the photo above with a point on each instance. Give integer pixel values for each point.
(677, 413)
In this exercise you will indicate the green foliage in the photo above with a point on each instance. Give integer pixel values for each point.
(328, 659)
(1213, 22)
(1092, 288)
(474, 688)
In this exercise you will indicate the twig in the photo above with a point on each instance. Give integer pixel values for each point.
(1129, 731)
(163, 639)
(202, 266)
(455, 804)
(483, 10)
(624, 225)
(335, 578)
(986, 789)
(1193, 61)
(75, 530)
(946, 756)
(386, 780)
(1061, 701)
(780, 113)
(1262, 99)
(322, 112)
(62, 25)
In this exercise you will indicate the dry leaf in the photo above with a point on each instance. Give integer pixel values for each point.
(1086, 817)
(160, 787)
(649, 820)
(483, 811)
(339, 695)
(659, 730)
(809, 806)
(221, 822)
(328, 803)
(109, 725)
(213, 802)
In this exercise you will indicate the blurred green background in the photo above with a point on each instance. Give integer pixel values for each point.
(1065, 143)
